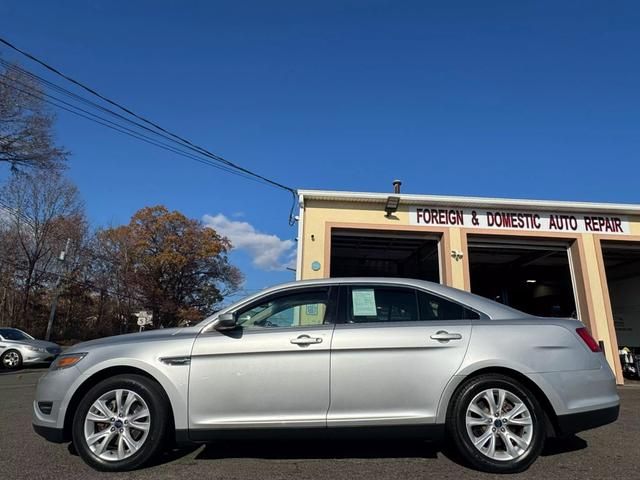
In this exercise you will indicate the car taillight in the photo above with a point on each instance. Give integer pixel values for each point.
(588, 339)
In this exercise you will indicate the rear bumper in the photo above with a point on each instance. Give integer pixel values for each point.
(55, 435)
(578, 422)
(579, 391)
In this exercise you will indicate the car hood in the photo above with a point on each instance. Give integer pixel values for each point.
(138, 337)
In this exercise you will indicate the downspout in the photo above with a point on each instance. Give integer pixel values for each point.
(300, 237)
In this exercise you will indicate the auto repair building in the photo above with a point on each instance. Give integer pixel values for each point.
(548, 258)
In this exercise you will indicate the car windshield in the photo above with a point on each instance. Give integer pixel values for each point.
(13, 334)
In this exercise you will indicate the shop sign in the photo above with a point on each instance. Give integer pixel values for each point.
(530, 220)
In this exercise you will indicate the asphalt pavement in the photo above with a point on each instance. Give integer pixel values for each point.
(612, 451)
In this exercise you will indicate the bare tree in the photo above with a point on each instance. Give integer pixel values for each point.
(26, 125)
(42, 210)
(161, 261)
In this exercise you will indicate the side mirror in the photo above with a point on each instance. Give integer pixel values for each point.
(226, 321)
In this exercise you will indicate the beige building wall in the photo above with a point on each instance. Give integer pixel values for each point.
(320, 216)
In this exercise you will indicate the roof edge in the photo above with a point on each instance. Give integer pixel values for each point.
(463, 201)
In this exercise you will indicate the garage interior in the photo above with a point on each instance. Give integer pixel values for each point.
(622, 266)
(534, 277)
(366, 253)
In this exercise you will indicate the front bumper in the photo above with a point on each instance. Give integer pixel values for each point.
(30, 357)
(54, 392)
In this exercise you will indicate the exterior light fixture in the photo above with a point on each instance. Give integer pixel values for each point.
(531, 281)
(457, 255)
(391, 206)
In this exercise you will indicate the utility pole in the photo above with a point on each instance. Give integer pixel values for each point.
(54, 302)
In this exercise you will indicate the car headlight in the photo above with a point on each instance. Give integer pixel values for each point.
(37, 349)
(67, 360)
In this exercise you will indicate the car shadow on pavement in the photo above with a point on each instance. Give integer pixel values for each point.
(556, 446)
(319, 449)
(307, 449)
(297, 450)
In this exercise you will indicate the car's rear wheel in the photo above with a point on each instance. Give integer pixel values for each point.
(496, 424)
(11, 360)
(120, 423)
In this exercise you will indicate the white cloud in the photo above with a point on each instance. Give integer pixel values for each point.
(269, 252)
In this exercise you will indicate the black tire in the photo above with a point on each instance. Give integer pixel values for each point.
(5, 357)
(158, 405)
(457, 427)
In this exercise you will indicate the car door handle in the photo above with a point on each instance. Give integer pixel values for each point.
(444, 336)
(306, 340)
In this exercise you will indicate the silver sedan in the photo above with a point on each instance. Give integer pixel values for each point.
(337, 357)
(18, 348)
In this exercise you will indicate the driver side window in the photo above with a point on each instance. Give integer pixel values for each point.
(299, 309)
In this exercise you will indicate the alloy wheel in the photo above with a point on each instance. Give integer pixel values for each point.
(11, 359)
(499, 424)
(117, 425)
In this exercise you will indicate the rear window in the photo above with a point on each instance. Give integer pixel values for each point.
(433, 307)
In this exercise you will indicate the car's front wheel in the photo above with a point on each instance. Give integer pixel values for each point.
(120, 423)
(11, 359)
(497, 424)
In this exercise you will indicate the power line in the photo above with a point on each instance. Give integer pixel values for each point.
(16, 213)
(75, 96)
(43, 82)
(52, 100)
(143, 119)
(163, 133)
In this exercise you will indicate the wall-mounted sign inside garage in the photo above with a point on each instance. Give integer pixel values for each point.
(519, 220)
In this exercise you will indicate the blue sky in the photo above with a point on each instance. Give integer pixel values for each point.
(510, 99)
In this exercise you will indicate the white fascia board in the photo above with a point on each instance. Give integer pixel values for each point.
(470, 202)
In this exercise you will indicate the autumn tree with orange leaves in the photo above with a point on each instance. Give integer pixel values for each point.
(169, 264)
